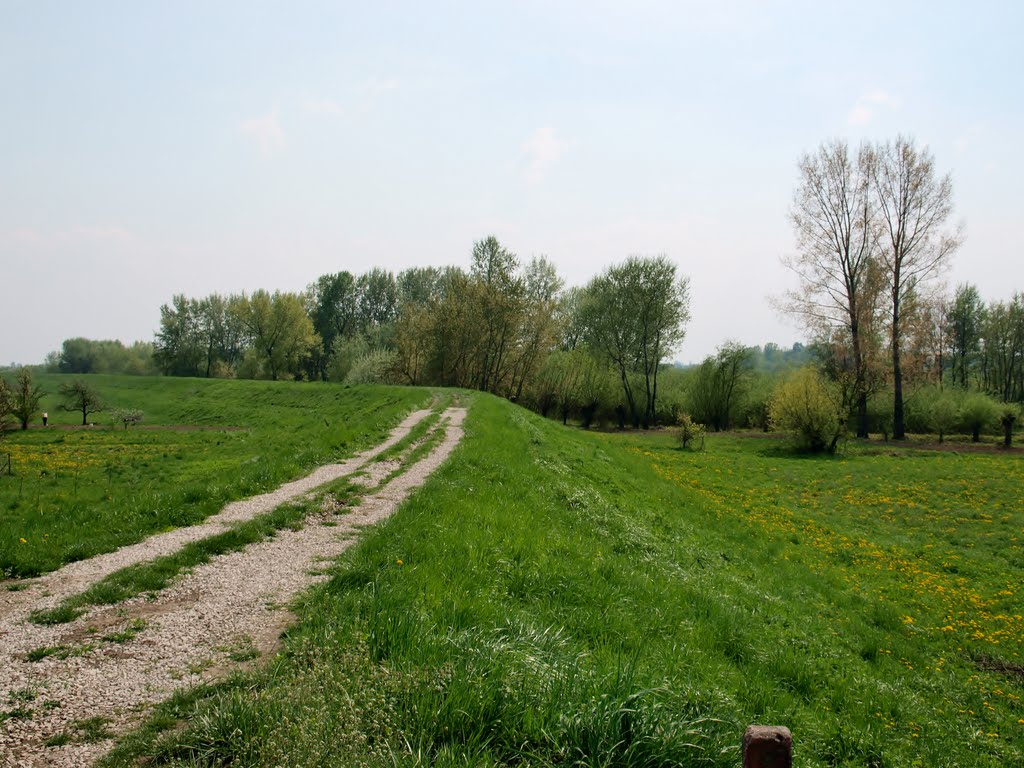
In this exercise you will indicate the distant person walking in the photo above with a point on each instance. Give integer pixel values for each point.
(46, 417)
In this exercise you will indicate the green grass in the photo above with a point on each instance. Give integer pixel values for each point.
(84, 731)
(553, 597)
(153, 575)
(77, 492)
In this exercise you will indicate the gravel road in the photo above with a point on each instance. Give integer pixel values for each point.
(194, 631)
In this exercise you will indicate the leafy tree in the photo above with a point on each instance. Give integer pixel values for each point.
(808, 406)
(80, 355)
(25, 397)
(334, 311)
(943, 413)
(378, 298)
(179, 342)
(539, 322)
(499, 297)
(6, 406)
(634, 315)
(837, 233)
(418, 286)
(79, 396)
(719, 384)
(978, 412)
(413, 335)
(913, 206)
(1003, 360)
(964, 323)
(279, 329)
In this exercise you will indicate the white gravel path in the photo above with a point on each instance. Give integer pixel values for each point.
(47, 591)
(235, 601)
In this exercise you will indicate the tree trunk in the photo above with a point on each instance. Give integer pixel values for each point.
(898, 429)
(860, 382)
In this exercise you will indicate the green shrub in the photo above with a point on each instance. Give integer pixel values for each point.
(978, 412)
(375, 367)
(689, 431)
(880, 407)
(943, 414)
(806, 405)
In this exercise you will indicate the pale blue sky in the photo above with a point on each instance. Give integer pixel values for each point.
(149, 149)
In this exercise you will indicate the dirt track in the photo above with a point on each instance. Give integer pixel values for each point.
(227, 610)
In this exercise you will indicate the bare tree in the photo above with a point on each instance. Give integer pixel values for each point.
(835, 219)
(913, 206)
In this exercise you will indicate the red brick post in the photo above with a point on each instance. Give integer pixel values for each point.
(767, 746)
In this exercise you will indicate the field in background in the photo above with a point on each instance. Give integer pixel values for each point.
(555, 597)
(76, 491)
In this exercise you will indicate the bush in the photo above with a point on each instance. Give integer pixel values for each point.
(978, 412)
(943, 414)
(374, 367)
(689, 431)
(807, 406)
(880, 413)
(127, 416)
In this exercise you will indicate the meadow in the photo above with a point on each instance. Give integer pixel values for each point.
(77, 491)
(559, 597)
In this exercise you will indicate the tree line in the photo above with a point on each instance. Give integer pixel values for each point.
(502, 326)
(873, 239)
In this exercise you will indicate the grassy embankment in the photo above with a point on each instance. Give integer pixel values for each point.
(554, 597)
(78, 491)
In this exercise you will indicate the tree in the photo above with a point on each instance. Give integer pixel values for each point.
(834, 217)
(79, 396)
(6, 406)
(978, 412)
(334, 311)
(806, 405)
(913, 206)
(539, 322)
(25, 397)
(499, 294)
(634, 315)
(1003, 360)
(279, 328)
(378, 299)
(943, 414)
(178, 346)
(1008, 415)
(964, 323)
(718, 385)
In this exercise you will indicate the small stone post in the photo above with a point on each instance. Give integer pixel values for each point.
(767, 746)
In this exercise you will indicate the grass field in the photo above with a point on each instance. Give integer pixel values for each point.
(75, 491)
(555, 597)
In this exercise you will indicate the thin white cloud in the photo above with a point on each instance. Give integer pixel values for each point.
(266, 131)
(870, 102)
(542, 150)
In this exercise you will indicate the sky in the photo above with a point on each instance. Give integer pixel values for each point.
(150, 149)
